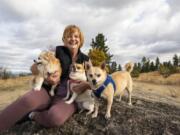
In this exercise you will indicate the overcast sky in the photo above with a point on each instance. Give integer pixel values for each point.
(133, 28)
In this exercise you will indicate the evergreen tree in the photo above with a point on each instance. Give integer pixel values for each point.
(99, 43)
(144, 60)
(136, 71)
(152, 66)
(113, 66)
(144, 66)
(139, 66)
(175, 60)
(119, 67)
(157, 64)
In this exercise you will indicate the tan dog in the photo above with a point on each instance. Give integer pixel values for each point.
(77, 74)
(112, 86)
(46, 64)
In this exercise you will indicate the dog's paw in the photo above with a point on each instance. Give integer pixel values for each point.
(36, 89)
(94, 115)
(51, 93)
(130, 104)
(118, 99)
(108, 115)
(68, 102)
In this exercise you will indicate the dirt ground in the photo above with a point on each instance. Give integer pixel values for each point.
(155, 111)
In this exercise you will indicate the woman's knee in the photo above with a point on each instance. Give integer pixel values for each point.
(58, 118)
(27, 101)
(32, 101)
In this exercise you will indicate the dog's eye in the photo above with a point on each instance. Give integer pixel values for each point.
(38, 58)
(98, 75)
(90, 75)
(78, 68)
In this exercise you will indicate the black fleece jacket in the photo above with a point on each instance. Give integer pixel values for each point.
(64, 55)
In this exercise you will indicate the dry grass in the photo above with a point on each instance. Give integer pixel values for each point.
(155, 77)
(169, 94)
(11, 89)
(148, 115)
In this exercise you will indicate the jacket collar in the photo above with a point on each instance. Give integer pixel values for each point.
(79, 54)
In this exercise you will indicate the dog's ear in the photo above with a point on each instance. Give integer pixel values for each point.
(88, 64)
(103, 65)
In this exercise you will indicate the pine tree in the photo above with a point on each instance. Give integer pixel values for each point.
(175, 60)
(152, 66)
(113, 67)
(119, 67)
(143, 61)
(139, 66)
(157, 64)
(136, 71)
(99, 43)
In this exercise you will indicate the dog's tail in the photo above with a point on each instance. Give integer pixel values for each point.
(129, 67)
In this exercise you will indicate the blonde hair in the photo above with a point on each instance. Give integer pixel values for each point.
(71, 29)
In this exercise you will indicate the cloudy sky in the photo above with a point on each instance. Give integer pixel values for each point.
(133, 28)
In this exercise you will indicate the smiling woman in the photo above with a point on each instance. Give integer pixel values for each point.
(39, 105)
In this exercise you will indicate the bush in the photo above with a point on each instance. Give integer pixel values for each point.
(135, 73)
(164, 70)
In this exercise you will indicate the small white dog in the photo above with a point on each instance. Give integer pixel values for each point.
(46, 64)
(106, 86)
(85, 100)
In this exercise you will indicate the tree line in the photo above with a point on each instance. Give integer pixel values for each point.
(165, 68)
(99, 52)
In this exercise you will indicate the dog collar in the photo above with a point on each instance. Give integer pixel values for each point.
(108, 80)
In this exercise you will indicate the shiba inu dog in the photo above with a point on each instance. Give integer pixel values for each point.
(46, 64)
(77, 74)
(108, 86)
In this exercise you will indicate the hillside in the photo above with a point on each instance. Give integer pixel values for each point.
(157, 78)
(153, 113)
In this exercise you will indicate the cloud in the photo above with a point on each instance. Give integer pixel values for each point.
(133, 28)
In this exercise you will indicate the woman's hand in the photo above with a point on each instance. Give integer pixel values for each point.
(34, 69)
(53, 78)
(81, 87)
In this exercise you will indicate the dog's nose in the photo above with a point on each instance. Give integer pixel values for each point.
(94, 82)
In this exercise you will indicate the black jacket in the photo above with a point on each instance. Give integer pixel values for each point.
(64, 55)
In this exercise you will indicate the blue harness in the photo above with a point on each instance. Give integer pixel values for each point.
(108, 80)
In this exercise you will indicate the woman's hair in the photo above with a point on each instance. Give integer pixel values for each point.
(71, 29)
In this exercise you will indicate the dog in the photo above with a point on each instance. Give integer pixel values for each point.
(46, 64)
(84, 100)
(108, 86)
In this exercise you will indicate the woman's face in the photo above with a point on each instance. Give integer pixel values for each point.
(72, 41)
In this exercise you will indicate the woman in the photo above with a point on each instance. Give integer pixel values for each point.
(47, 111)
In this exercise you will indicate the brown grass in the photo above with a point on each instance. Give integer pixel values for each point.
(11, 89)
(155, 77)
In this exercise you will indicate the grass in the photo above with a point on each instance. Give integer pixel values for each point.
(155, 77)
(11, 89)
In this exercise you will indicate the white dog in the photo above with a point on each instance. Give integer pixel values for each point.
(46, 64)
(84, 100)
